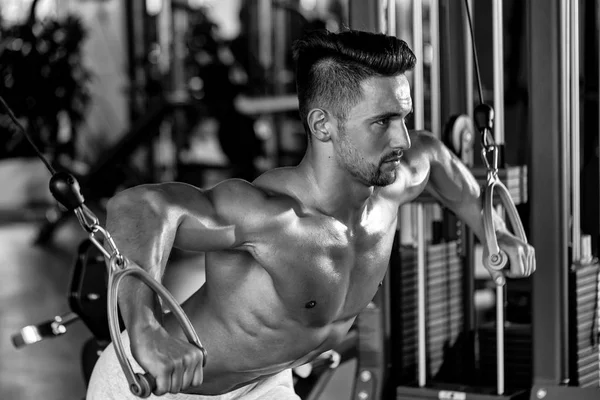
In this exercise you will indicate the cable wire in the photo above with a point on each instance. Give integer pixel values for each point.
(475, 59)
(22, 129)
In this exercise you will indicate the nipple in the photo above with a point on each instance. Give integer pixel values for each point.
(310, 304)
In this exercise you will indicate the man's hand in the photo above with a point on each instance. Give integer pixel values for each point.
(175, 364)
(521, 257)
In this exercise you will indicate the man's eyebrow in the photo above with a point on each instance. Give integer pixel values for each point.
(392, 114)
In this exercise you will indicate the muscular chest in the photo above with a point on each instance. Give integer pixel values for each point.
(327, 270)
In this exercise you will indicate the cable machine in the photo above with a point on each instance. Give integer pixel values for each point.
(570, 356)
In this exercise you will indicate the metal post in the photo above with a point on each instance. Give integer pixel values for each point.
(135, 12)
(456, 91)
(575, 130)
(468, 46)
(500, 339)
(565, 159)
(419, 118)
(387, 302)
(391, 18)
(364, 15)
(498, 61)
(421, 295)
(434, 33)
(548, 219)
(418, 76)
(498, 72)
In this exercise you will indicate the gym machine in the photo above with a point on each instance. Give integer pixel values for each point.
(574, 290)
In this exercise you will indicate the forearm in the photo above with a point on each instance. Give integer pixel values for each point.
(473, 217)
(143, 232)
(453, 184)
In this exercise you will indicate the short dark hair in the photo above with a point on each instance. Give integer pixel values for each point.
(331, 66)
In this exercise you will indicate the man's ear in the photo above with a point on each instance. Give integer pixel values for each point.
(317, 123)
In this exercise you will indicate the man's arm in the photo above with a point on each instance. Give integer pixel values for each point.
(451, 182)
(146, 222)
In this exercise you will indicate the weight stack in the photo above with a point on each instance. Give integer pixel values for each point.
(443, 312)
(584, 292)
(518, 367)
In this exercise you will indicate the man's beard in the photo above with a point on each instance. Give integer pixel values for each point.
(370, 174)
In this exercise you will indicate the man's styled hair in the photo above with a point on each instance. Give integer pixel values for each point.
(331, 66)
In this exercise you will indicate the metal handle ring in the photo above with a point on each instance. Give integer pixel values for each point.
(497, 258)
(142, 385)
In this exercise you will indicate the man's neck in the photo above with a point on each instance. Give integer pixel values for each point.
(332, 191)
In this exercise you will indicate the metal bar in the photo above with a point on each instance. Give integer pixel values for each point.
(454, 87)
(500, 339)
(421, 295)
(131, 28)
(575, 131)
(435, 95)
(565, 163)
(548, 212)
(468, 45)
(386, 287)
(419, 119)
(498, 61)
(364, 15)
(391, 17)
(598, 320)
(418, 76)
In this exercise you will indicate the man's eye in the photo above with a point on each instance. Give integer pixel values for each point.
(383, 122)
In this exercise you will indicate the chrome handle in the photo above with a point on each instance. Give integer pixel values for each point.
(141, 385)
(497, 259)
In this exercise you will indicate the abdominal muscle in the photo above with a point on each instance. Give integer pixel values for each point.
(246, 341)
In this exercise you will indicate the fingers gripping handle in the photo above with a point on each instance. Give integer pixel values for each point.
(142, 385)
(145, 385)
(497, 259)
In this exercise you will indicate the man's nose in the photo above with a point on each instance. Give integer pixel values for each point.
(400, 137)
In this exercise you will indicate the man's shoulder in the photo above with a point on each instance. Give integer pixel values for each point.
(279, 184)
(423, 143)
(414, 169)
(424, 148)
(265, 197)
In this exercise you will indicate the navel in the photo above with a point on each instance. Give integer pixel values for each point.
(310, 304)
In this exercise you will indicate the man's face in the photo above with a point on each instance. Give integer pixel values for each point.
(370, 143)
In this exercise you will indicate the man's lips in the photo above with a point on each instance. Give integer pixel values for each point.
(394, 159)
